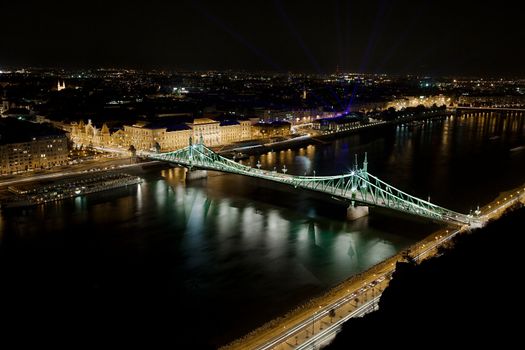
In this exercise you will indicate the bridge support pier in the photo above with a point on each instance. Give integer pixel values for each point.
(196, 174)
(355, 212)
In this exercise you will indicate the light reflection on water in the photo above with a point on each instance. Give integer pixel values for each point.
(240, 251)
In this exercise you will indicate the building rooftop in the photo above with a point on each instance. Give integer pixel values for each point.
(352, 117)
(274, 123)
(178, 127)
(17, 131)
(229, 122)
(169, 125)
(198, 121)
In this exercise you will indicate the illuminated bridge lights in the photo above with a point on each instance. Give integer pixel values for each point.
(358, 186)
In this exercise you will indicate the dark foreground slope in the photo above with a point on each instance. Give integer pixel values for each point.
(470, 295)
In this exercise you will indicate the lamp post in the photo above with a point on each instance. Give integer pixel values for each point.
(313, 324)
(313, 321)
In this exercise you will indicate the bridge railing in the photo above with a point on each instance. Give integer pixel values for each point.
(356, 186)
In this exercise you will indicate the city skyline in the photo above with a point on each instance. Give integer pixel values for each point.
(430, 38)
(265, 175)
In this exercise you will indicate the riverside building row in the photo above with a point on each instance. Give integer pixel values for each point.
(168, 136)
(26, 146)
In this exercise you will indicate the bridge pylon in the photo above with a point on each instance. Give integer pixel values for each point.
(354, 212)
(195, 174)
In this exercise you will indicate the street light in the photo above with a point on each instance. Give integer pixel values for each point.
(313, 321)
(313, 324)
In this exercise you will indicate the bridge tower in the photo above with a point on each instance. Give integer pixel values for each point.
(354, 212)
(194, 174)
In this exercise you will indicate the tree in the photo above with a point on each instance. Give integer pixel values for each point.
(408, 258)
(133, 152)
(332, 315)
(70, 144)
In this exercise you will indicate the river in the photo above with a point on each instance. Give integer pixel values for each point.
(229, 253)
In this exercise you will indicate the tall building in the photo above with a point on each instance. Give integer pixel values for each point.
(62, 86)
(26, 146)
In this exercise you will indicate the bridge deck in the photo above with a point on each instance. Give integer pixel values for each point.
(358, 186)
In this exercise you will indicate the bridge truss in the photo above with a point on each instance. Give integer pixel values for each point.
(357, 187)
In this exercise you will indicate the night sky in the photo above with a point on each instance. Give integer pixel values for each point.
(426, 37)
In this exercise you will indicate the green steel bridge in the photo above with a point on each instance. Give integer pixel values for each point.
(357, 187)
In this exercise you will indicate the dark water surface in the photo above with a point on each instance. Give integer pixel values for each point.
(228, 253)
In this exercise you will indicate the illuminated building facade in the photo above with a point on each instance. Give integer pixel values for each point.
(275, 129)
(337, 124)
(504, 101)
(60, 86)
(414, 101)
(145, 137)
(234, 131)
(168, 135)
(89, 135)
(26, 146)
